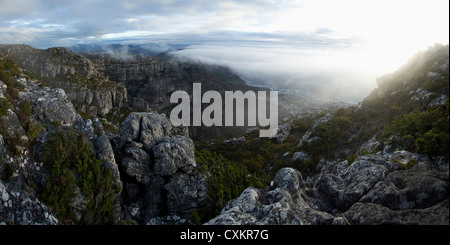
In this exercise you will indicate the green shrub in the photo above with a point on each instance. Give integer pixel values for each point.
(226, 181)
(421, 131)
(7, 172)
(34, 129)
(330, 136)
(4, 106)
(25, 112)
(71, 163)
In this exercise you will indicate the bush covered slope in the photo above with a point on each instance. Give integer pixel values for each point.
(408, 112)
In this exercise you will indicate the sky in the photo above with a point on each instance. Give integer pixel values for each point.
(344, 44)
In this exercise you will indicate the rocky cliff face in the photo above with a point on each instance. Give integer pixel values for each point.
(150, 80)
(151, 164)
(89, 91)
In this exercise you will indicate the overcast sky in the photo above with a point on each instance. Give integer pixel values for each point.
(296, 37)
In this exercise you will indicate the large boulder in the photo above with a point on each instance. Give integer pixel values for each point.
(145, 128)
(49, 105)
(12, 127)
(415, 188)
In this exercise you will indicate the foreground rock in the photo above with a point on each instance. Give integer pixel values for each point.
(375, 189)
(157, 166)
(19, 208)
(281, 204)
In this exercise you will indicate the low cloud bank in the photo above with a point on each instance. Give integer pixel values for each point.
(335, 73)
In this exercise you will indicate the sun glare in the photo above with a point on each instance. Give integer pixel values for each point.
(390, 31)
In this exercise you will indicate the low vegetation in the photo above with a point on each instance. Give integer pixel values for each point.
(76, 183)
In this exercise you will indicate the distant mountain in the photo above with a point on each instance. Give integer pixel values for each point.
(124, 50)
(112, 49)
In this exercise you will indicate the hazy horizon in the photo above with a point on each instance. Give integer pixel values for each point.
(340, 47)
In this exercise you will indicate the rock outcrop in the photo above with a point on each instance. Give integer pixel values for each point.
(375, 189)
(157, 167)
(20, 208)
(61, 68)
(282, 133)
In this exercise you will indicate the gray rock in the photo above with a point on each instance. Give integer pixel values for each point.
(414, 188)
(13, 127)
(283, 203)
(137, 164)
(439, 100)
(86, 127)
(88, 89)
(154, 200)
(300, 156)
(144, 127)
(185, 193)
(369, 146)
(342, 191)
(20, 208)
(282, 133)
(173, 154)
(334, 168)
(2, 153)
(376, 214)
(160, 164)
(104, 151)
(50, 105)
(167, 220)
(372, 190)
(234, 141)
(153, 128)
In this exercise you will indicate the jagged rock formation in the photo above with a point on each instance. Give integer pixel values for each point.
(372, 190)
(157, 168)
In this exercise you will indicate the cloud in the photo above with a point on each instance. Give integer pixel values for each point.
(85, 19)
(333, 69)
